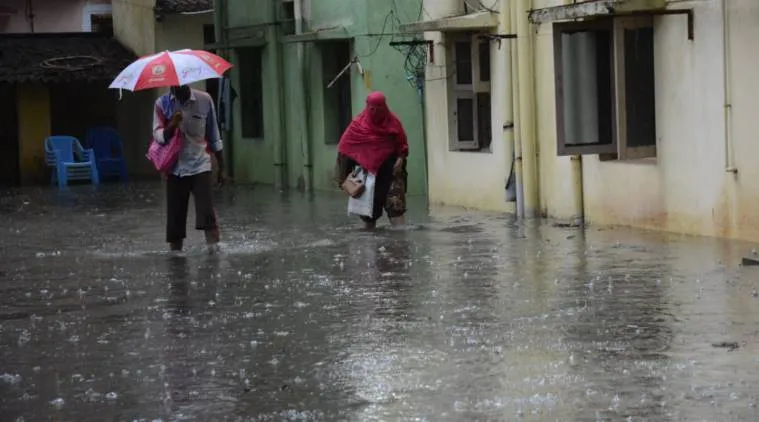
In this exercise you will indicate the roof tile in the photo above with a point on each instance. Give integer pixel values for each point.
(182, 6)
(61, 57)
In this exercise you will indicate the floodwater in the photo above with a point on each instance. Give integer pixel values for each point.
(462, 317)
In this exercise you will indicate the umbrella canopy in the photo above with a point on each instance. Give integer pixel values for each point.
(170, 68)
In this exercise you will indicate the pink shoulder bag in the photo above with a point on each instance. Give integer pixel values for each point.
(165, 156)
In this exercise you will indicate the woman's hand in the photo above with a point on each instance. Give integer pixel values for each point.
(398, 167)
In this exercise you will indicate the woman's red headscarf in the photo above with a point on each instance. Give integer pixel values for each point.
(374, 135)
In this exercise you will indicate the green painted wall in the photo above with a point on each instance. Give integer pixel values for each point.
(295, 132)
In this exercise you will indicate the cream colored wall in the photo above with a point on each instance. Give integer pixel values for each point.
(467, 179)
(742, 193)
(134, 25)
(686, 188)
(176, 32)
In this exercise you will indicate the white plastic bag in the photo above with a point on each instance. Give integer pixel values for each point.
(364, 204)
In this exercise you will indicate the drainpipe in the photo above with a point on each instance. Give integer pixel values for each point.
(506, 93)
(221, 22)
(575, 172)
(308, 164)
(526, 76)
(517, 117)
(727, 89)
(276, 78)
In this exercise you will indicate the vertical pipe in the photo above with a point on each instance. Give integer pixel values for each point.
(304, 74)
(424, 143)
(525, 45)
(578, 200)
(30, 15)
(221, 23)
(516, 89)
(506, 92)
(576, 179)
(727, 90)
(274, 67)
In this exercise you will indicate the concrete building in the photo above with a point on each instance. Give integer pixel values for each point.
(53, 16)
(150, 26)
(297, 84)
(619, 112)
(54, 53)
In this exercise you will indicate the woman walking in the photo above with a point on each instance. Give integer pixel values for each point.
(376, 141)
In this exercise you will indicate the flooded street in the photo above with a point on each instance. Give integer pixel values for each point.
(463, 317)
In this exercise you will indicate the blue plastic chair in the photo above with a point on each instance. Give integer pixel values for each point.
(70, 161)
(109, 151)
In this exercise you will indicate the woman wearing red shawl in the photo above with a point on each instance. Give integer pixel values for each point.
(376, 141)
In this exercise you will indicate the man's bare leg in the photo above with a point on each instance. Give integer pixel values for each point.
(398, 221)
(212, 240)
(176, 246)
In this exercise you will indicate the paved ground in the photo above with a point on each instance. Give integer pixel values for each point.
(462, 317)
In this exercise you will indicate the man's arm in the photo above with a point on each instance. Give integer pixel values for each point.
(214, 138)
(163, 128)
(159, 123)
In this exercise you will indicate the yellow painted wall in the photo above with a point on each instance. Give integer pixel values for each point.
(134, 24)
(33, 128)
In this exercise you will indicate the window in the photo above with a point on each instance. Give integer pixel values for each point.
(338, 111)
(209, 33)
(287, 17)
(605, 98)
(251, 92)
(97, 18)
(470, 113)
(102, 24)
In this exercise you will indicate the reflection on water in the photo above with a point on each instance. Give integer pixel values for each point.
(305, 317)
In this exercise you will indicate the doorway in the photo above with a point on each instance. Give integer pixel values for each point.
(9, 159)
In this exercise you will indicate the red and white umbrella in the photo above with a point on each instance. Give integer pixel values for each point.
(170, 68)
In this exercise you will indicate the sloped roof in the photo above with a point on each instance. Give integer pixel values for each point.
(182, 6)
(61, 57)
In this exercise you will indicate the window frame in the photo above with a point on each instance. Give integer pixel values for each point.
(617, 149)
(285, 17)
(626, 152)
(467, 91)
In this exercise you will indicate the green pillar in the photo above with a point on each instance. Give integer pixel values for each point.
(276, 78)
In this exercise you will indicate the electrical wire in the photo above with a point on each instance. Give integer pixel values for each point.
(415, 56)
(380, 38)
(489, 9)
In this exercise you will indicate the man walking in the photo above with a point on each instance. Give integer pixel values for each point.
(192, 113)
